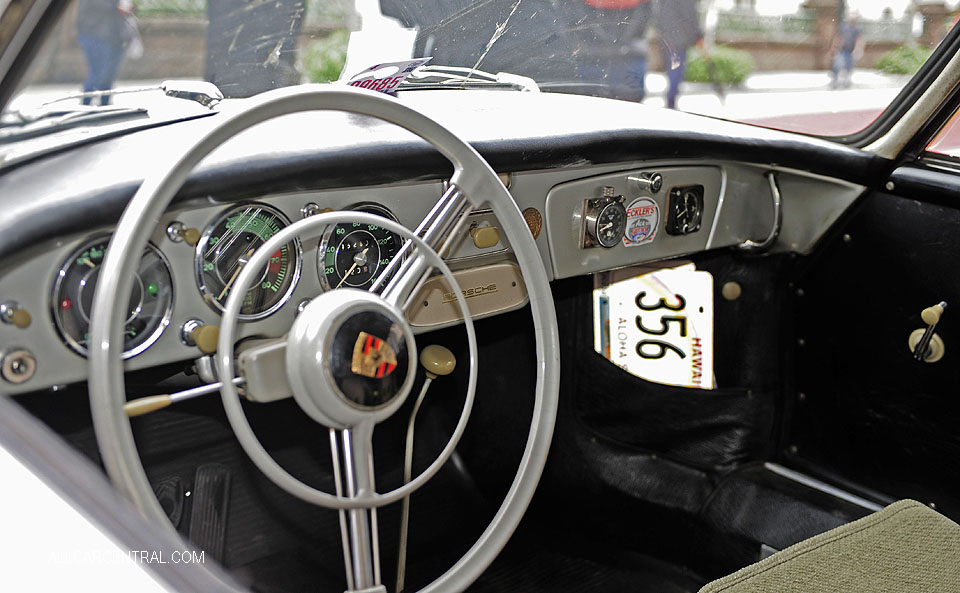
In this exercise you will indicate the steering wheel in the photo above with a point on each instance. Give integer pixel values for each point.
(324, 378)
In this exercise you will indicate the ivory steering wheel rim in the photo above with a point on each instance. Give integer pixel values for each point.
(471, 174)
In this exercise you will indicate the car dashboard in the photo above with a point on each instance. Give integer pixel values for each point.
(599, 192)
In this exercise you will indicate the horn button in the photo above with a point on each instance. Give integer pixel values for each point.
(350, 358)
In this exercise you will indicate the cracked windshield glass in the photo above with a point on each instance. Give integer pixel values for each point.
(825, 67)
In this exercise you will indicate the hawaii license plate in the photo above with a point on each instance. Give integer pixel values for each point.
(658, 325)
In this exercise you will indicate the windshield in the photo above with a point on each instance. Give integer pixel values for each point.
(826, 67)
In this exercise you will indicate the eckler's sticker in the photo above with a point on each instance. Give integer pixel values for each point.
(387, 76)
(643, 221)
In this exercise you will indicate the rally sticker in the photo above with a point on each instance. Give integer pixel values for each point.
(387, 76)
(643, 220)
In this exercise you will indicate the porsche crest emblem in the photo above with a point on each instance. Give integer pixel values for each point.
(372, 357)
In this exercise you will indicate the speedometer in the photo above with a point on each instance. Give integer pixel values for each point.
(354, 254)
(228, 244)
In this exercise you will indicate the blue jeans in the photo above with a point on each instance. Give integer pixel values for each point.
(103, 62)
(676, 68)
(842, 63)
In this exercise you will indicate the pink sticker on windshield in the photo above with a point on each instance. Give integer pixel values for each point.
(386, 77)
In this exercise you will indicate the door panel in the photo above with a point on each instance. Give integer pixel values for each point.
(864, 409)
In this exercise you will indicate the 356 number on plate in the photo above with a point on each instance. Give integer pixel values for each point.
(659, 326)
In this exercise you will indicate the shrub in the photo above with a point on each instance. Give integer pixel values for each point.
(905, 59)
(323, 59)
(731, 66)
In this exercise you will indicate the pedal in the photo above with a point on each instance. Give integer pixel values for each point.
(208, 518)
(169, 492)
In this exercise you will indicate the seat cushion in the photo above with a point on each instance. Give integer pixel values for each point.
(905, 548)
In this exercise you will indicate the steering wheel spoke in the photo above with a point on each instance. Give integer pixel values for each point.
(440, 230)
(352, 453)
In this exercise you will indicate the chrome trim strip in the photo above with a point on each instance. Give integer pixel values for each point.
(822, 486)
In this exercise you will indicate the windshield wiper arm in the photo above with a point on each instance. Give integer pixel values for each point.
(198, 91)
(453, 77)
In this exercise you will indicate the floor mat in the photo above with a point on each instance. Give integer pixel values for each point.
(548, 564)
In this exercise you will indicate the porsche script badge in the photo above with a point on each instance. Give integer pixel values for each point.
(372, 357)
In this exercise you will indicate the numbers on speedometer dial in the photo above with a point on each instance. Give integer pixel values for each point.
(228, 244)
(354, 254)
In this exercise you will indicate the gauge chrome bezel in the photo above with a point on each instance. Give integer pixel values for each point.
(207, 295)
(368, 207)
(68, 340)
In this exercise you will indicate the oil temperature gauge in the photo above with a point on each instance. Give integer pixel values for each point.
(148, 309)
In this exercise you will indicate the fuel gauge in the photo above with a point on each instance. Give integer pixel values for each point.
(148, 308)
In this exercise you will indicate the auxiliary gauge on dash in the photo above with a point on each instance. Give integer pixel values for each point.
(148, 309)
(227, 245)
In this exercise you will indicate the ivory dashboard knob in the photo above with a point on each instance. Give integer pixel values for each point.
(437, 361)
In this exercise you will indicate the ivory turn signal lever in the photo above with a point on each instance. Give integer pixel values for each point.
(436, 361)
(926, 345)
(152, 403)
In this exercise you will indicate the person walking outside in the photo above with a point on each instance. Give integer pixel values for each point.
(847, 49)
(679, 29)
(609, 37)
(100, 33)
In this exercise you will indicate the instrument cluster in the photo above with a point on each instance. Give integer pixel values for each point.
(348, 255)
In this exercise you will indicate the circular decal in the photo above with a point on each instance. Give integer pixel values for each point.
(643, 220)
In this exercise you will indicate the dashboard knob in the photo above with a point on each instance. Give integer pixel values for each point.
(191, 236)
(437, 361)
(205, 338)
(11, 312)
(485, 237)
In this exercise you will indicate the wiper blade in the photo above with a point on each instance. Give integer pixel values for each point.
(453, 77)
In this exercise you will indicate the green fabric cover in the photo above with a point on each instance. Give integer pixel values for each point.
(905, 548)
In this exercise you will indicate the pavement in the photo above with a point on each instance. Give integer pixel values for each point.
(796, 100)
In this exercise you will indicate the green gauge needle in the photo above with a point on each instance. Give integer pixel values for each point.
(357, 260)
(242, 262)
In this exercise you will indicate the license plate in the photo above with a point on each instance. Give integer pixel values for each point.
(658, 326)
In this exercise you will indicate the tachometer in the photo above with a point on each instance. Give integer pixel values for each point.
(354, 254)
(148, 310)
(227, 245)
